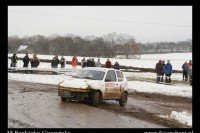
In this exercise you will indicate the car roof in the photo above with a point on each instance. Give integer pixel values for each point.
(97, 68)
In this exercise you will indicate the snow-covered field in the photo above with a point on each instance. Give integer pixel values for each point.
(146, 61)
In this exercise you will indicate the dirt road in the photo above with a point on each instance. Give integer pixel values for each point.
(32, 105)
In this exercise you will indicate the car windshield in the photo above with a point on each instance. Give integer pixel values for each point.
(90, 74)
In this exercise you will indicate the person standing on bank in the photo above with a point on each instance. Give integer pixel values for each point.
(190, 69)
(163, 71)
(185, 68)
(55, 61)
(159, 69)
(168, 72)
(74, 63)
(116, 66)
(108, 64)
(14, 60)
(83, 62)
(26, 60)
(62, 62)
(35, 61)
(98, 64)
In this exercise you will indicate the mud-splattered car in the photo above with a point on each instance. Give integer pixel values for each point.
(95, 85)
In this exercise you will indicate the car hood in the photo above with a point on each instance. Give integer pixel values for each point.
(78, 83)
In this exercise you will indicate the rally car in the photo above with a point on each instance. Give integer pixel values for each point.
(95, 84)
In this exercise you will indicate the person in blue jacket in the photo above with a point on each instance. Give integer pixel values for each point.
(168, 72)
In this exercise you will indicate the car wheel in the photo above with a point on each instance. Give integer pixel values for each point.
(123, 100)
(63, 99)
(95, 101)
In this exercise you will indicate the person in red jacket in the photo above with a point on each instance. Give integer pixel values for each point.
(108, 64)
(74, 63)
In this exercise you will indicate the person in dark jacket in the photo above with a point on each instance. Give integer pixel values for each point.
(35, 61)
(185, 68)
(62, 62)
(108, 64)
(26, 60)
(168, 72)
(159, 69)
(55, 61)
(83, 62)
(163, 71)
(94, 63)
(90, 63)
(14, 60)
(116, 66)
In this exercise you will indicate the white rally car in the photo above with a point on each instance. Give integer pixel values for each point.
(95, 85)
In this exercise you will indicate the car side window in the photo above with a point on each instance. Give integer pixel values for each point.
(120, 76)
(111, 77)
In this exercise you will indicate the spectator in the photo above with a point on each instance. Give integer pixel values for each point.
(98, 64)
(168, 72)
(83, 62)
(185, 68)
(26, 60)
(190, 69)
(74, 63)
(90, 63)
(163, 71)
(116, 66)
(14, 60)
(35, 61)
(62, 62)
(55, 61)
(159, 69)
(93, 63)
(108, 64)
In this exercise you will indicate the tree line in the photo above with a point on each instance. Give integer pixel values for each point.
(108, 45)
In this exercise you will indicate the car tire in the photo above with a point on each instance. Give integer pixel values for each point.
(63, 99)
(123, 100)
(95, 100)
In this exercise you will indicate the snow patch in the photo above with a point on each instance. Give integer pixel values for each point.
(182, 117)
(22, 47)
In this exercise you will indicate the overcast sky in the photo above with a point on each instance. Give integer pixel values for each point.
(145, 23)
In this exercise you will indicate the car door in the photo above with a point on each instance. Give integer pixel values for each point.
(112, 87)
(121, 81)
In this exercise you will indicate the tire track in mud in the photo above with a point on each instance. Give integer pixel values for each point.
(147, 107)
(142, 106)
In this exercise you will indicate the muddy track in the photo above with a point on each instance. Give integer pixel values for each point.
(148, 106)
(30, 102)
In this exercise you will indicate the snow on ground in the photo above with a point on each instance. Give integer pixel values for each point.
(182, 117)
(139, 86)
(150, 75)
(184, 91)
(146, 60)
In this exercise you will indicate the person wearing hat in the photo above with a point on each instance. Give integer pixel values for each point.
(14, 60)
(159, 70)
(35, 61)
(26, 60)
(168, 72)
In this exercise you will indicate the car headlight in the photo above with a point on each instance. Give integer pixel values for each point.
(84, 87)
(61, 84)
